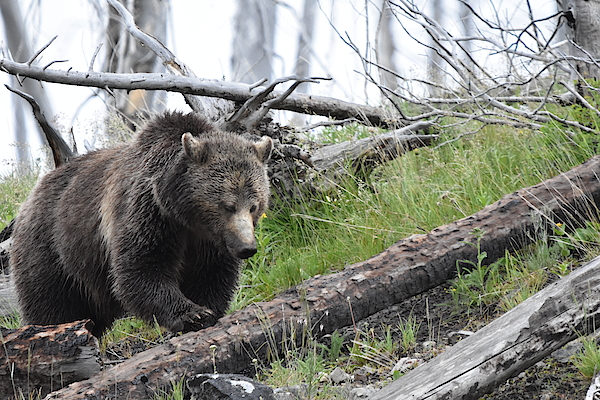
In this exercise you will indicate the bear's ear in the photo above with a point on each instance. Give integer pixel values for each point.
(264, 147)
(196, 149)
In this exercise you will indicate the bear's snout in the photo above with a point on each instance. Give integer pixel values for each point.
(241, 243)
(246, 252)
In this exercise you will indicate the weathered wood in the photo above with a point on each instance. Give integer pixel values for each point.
(46, 358)
(8, 296)
(61, 152)
(365, 154)
(240, 92)
(518, 339)
(409, 267)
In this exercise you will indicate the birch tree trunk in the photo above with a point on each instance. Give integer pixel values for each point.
(583, 31)
(125, 55)
(253, 41)
(19, 44)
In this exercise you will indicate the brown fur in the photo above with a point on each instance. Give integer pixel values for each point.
(155, 228)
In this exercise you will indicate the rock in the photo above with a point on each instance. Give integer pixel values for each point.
(338, 376)
(361, 375)
(564, 354)
(361, 393)
(406, 363)
(296, 392)
(227, 387)
(430, 344)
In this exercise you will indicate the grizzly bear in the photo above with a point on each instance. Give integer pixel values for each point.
(155, 228)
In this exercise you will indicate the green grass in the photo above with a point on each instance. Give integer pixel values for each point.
(14, 189)
(515, 277)
(417, 192)
(587, 360)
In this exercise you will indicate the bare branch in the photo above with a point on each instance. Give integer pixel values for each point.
(91, 68)
(60, 150)
(327, 123)
(257, 107)
(37, 53)
(238, 92)
(214, 109)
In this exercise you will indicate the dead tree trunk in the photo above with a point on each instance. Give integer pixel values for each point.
(125, 54)
(46, 358)
(583, 31)
(520, 338)
(325, 303)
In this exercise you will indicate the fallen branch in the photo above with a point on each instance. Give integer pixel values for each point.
(45, 358)
(324, 303)
(365, 154)
(238, 92)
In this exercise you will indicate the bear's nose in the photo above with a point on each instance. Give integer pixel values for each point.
(246, 251)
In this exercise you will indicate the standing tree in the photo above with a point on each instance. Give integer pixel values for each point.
(305, 40)
(386, 47)
(253, 40)
(583, 33)
(125, 55)
(434, 61)
(19, 45)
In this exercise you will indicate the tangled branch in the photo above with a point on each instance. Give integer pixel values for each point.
(533, 75)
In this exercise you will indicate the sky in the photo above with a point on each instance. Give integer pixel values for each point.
(201, 35)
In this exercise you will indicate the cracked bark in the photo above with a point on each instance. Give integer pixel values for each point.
(46, 357)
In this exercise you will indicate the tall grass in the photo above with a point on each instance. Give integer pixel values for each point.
(14, 189)
(417, 192)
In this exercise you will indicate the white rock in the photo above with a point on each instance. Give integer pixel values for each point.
(406, 363)
(338, 376)
(430, 344)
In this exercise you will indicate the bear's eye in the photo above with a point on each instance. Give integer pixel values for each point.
(253, 209)
(229, 207)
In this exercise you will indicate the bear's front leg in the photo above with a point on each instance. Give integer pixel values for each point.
(150, 290)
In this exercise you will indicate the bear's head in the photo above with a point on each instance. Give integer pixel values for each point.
(219, 188)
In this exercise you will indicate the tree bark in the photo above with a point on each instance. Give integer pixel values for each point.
(254, 40)
(520, 338)
(45, 358)
(125, 54)
(583, 31)
(325, 303)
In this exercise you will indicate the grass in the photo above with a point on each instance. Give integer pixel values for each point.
(14, 189)
(515, 277)
(417, 192)
(587, 360)
(129, 331)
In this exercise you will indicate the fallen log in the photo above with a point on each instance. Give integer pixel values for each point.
(325, 303)
(507, 346)
(365, 154)
(45, 358)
